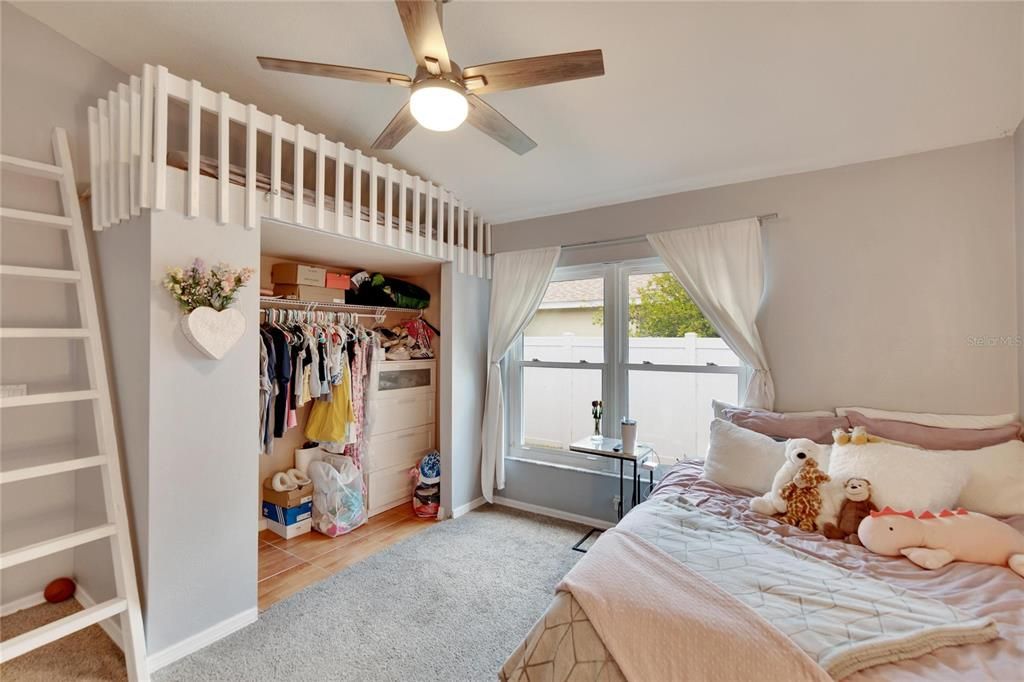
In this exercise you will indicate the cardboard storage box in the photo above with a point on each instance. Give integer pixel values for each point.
(287, 515)
(292, 531)
(307, 293)
(336, 280)
(288, 498)
(297, 273)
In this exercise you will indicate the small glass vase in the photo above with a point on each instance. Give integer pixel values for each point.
(596, 436)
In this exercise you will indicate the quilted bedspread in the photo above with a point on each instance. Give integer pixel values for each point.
(844, 620)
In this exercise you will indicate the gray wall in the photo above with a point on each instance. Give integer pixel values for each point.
(465, 304)
(1018, 193)
(47, 81)
(877, 275)
(190, 432)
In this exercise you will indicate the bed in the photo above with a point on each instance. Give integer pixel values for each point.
(566, 643)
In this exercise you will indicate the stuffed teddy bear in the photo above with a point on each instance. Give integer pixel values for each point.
(803, 497)
(855, 508)
(933, 540)
(798, 452)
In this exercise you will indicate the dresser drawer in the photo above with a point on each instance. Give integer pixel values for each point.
(399, 414)
(387, 486)
(395, 379)
(401, 448)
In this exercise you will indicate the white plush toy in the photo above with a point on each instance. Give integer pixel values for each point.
(798, 451)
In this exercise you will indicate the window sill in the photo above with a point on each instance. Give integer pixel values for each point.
(565, 460)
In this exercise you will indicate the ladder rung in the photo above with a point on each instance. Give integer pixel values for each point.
(54, 545)
(35, 217)
(41, 273)
(26, 167)
(33, 639)
(42, 333)
(47, 398)
(40, 470)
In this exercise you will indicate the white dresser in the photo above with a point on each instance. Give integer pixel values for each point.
(403, 414)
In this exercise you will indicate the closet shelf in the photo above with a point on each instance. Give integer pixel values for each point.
(295, 304)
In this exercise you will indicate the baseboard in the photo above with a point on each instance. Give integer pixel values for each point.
(165, 657)
(111, 626)
(262, 524)
(600, 524)
(23, 603)
(468, 507)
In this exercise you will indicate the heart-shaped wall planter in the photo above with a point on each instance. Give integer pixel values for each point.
(214, 332)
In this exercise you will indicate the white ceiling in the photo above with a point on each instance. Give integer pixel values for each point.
(695, 95)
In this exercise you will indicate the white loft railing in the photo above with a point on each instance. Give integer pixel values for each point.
(372, 201)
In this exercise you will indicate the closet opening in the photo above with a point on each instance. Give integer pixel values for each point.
(348, 367)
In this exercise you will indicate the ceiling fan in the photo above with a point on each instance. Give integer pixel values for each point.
(443, 94)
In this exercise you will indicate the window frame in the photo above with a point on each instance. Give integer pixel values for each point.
(615, 368)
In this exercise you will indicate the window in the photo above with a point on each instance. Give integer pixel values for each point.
(627, 334)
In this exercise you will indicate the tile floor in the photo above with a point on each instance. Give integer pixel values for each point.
(287, 566)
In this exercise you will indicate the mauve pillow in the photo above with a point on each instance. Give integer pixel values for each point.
(782, 425)
(936, 437)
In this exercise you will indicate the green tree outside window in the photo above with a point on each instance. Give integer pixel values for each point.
(664, 310)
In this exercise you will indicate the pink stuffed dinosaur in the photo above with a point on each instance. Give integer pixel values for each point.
(933, 540)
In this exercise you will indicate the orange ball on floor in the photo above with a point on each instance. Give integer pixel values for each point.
(59, 590)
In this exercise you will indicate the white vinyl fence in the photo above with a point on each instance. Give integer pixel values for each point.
(672, 409)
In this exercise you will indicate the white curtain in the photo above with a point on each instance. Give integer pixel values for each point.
(722, 269)
(518, 283)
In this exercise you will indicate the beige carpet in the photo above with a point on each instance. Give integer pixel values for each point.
(87, 655)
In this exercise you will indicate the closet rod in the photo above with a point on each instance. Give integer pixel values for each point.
(294, 304)
(642, 238)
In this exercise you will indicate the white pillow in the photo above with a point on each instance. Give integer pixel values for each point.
(945, 421)
(719, 408)
(902, 477)
(996, 482)
(741, 458)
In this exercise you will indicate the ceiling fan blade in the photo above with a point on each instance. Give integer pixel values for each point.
(349, 73)
(486, 118)
(422, 22)
(400, 126)
(531, 71)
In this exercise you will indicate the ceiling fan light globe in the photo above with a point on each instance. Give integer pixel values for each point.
(438, 105)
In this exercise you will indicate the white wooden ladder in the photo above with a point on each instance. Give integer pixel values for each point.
(126, 603)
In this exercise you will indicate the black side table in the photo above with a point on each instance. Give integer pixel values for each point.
(612, 448)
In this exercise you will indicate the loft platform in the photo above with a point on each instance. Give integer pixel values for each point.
(327, 187)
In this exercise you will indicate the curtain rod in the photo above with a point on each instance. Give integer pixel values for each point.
(641, 238)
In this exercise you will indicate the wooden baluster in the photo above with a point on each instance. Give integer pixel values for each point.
(389, 205)
(416, 214)
(250, 166)
(146, 142)
(404, 238)
(357, 194)
(339, 188)
(194, 123)
(462, 238)
(275, 167)
(103, 180)
(223, 159)
(321, 141)
(372, 212)
(160, 141)
(135, 143)
(95, 183)
(124, 125)
(298, 181)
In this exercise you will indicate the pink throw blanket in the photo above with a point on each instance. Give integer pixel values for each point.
(678, 611)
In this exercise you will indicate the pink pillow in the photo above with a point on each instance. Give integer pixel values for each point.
(781, 425)
(936, 437)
